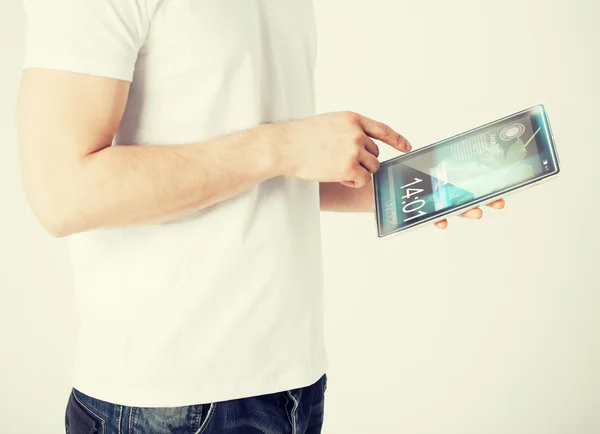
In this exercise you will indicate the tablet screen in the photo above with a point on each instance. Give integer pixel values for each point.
(451, 174)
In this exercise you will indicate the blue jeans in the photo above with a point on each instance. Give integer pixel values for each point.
(298, 411)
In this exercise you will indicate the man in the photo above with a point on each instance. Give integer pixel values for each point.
(175, 143)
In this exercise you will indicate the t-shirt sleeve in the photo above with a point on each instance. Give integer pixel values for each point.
(96, 37)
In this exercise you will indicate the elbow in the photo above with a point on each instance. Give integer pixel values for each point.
(57, 227)
(56, 213)
(56, 222)
(57, 200)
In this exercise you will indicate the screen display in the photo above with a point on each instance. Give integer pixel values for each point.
(455, 172)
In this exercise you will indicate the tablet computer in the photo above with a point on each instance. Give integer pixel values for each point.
(464, 171)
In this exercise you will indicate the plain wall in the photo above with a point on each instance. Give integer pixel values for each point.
(491, 327)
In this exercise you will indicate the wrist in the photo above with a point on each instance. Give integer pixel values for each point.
(274, 147)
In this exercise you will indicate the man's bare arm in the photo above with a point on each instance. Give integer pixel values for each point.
(337, 197)
(76, 181)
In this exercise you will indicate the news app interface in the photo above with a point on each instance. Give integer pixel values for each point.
(457, 171)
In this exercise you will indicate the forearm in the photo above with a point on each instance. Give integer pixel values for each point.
(136, 185)
(337, 197)
(76, 181)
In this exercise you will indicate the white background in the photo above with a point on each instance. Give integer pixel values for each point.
(492, 327)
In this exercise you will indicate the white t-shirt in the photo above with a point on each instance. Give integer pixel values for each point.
(227, 302)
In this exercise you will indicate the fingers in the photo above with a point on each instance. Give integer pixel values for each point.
(371, 147)
(473, 214)
(369, 161)
(443, 224)
(384, 133)
(477, 213)
(360, 177)
(497, 204)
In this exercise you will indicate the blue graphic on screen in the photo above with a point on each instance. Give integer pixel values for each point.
(458, 171)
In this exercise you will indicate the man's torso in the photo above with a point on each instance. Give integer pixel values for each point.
(225, 302)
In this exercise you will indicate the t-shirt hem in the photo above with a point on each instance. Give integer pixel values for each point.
(177, 395)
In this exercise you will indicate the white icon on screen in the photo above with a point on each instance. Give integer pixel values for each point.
(512, 132)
